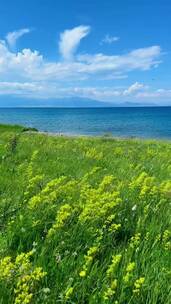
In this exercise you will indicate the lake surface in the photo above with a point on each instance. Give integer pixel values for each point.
(146, 122)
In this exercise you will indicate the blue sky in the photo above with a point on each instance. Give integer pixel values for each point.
(102, 49)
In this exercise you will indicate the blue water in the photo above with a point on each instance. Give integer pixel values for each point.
(147, 122)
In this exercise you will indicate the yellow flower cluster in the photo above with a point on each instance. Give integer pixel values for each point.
(26, 283)
(100, 234)
(23, 297)
(90, 174)
(111, 271)
(88, 260)
(115, 261)
(34, 182)
(145, 184)
(166, 239)
(92, 153)
(114, 227)
(118, 151)
(107, 183)
(166, 188)
(48, 194)
(23, 273)
(138, 285)
(108, 226)
(129, 272)
(6, 268)
(22, 261)
(62, 215)
(135, 240)
(99, 202)
(111, 290)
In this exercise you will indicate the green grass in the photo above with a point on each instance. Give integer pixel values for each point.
(84, 220)
(10, 128)
(15, 128)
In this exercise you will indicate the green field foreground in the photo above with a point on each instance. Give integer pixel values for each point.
(84, 220)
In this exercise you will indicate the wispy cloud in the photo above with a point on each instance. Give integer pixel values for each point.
(135, 87)
(12, 37)
(46, 90)
(138, 59)
(70, 39)
(159, 94)
(109, 39)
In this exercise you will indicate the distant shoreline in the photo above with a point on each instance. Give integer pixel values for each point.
(103, 136)
(33, 131)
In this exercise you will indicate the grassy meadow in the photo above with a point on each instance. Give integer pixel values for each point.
(84, 220)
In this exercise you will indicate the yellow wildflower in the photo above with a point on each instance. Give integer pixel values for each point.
(129, 270)
(111, 290)
(62, 215)
(82, 273)
(6, 268)
(88, 259)
(114, 227)
(166, 239)
(138, 285)
(115, 261)
(69, 292)
(135, 240)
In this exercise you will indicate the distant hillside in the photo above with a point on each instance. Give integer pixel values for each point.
(74, 102)
(61, 103)
(135, 104)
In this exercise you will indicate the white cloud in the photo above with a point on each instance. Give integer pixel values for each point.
(139, 59)
(134, 88)
(109, 39)
(98, 93)
(12, 37)
(159, 94)
(70, 39)
(30, 65)
(27, 73)
(19, 88)
(141, 94)
(46, 90)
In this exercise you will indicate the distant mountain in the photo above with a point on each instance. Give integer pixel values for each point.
(135, 104)
(60, 103)
(74, 102)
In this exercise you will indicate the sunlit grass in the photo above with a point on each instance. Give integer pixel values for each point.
(84, 220)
